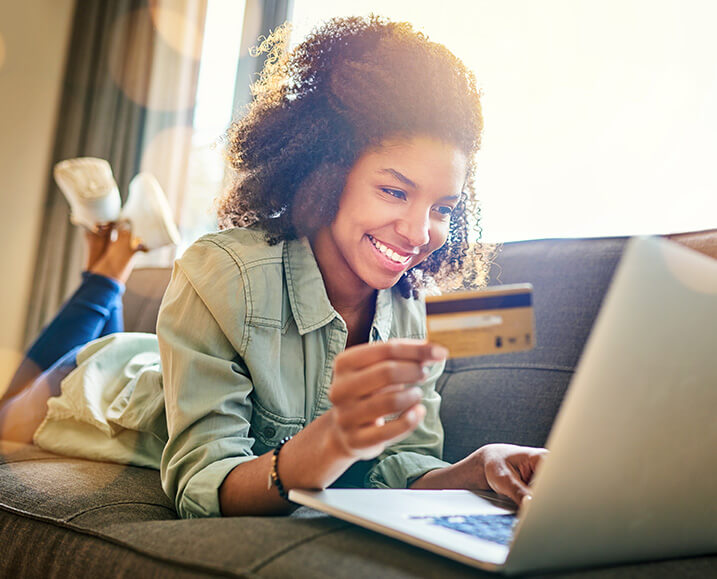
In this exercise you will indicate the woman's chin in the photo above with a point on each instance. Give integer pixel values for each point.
(381, 282)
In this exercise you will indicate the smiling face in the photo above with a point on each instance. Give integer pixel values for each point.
(394, 211)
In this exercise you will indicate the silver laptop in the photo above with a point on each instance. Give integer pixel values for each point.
(632, 469)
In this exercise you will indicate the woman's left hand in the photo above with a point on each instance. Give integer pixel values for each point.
(506, 469)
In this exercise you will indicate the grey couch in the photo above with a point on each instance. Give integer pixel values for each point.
(63, 517)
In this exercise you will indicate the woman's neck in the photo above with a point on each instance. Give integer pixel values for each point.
(356, 308)
(351, 297)
(356, 311)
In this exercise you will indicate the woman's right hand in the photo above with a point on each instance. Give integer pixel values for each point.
(369, 385)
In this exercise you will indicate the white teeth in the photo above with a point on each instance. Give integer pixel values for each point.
(388, 252)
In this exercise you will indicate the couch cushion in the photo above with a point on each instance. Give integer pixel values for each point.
(515, 397)
(141, 300)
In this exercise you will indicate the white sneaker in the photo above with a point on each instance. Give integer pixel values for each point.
(149, 214)
(90, 189)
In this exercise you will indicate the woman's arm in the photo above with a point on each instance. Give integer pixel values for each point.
(367, 386)
(207, 393)
(311, 459)
(504, 468)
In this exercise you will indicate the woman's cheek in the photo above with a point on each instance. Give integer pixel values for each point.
(433, 245)
(439, 235)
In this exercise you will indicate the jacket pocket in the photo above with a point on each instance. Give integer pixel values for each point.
(268, 428)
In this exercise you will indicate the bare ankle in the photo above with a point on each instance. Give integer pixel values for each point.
(117, 260)
(96, 242)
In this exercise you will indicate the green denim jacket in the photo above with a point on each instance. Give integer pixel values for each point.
(247, 339)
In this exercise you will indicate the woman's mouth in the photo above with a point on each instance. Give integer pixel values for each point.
(390, 258)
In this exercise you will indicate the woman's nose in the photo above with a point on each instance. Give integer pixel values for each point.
(415, 228)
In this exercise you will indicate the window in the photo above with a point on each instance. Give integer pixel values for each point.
(212, 116)
(600, 117)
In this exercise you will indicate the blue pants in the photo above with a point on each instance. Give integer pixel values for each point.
(93, 311)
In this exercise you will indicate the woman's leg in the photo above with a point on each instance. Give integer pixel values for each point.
(93, 311)
(21, 415)
(115, 322)
(79, 321)
(115, 319)
(97, 246)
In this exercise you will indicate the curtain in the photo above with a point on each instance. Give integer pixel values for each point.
(260, 18)
(131, 77)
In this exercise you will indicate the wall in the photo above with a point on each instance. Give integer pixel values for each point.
(34, 38)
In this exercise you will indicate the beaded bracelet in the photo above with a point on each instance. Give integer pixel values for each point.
(274, 474)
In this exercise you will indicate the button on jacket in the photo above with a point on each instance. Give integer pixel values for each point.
(247, 340)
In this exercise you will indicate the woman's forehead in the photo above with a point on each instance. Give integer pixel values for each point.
(416, 161)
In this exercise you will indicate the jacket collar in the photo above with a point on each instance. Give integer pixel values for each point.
(309, 301)
(383, 318)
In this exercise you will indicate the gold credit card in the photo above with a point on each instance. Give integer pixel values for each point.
(494, 320)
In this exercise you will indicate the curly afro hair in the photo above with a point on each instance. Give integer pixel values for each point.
(352, 84)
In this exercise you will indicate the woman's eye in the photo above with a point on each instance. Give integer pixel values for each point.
(444, 210)
(397, 193)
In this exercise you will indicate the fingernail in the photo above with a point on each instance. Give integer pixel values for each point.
(417, 393)
(411, 415)
(425, 370)
(439, 352)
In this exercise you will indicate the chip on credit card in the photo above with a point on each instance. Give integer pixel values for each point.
(494, 320)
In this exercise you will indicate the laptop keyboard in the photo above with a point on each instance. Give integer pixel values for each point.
(495, 528)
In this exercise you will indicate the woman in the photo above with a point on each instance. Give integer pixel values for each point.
(289, 342)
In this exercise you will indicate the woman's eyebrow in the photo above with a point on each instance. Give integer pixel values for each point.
(405, 180)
